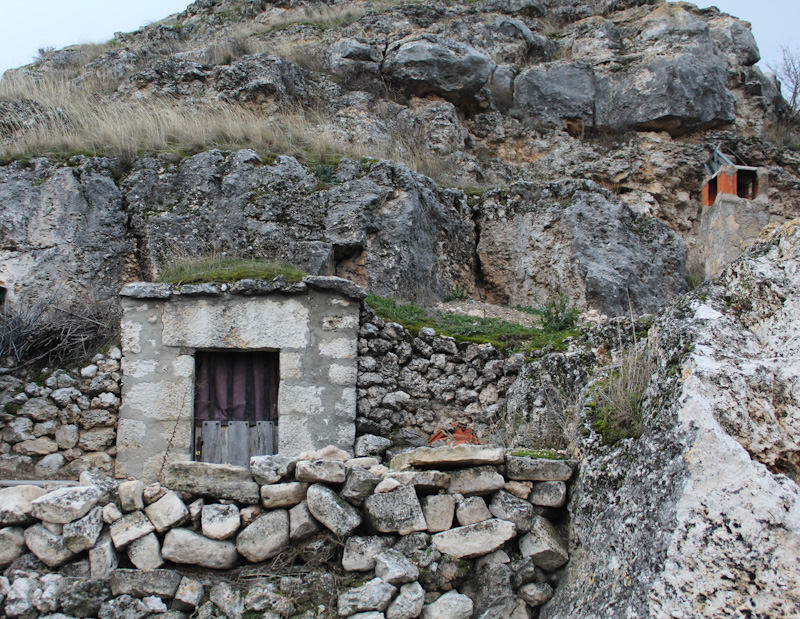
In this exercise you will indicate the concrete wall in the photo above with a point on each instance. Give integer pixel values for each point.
(315, 330)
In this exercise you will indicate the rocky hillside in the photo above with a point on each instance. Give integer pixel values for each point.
(509, 148)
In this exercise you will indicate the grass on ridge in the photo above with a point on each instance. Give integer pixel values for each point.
(226, 269)
(500, 333)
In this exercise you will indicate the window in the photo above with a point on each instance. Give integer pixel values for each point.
(236, 405)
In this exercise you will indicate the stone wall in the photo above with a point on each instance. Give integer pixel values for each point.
(446, 532)
(411, 386)
(62, 425)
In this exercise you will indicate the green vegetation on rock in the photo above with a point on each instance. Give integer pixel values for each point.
(226, 269)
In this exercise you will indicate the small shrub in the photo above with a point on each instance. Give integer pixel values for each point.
(557, 314)
(695, 272)
(214, 268)
(619, 397)
(457, 294)
(547, 454)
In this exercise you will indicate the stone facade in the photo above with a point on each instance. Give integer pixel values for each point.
(313, 325)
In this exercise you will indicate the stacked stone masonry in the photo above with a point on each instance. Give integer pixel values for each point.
(411, 386)
(62, 425)
(446, 532)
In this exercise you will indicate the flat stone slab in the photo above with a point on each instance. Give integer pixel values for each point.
(374, 595)
(474, 540)
(129, 528)
(144, 583)
(427, 482)
(15, 504)
(447, 457)
(65, 504)
(476, 481)
(190, 548)
(220, 481)
(538, 469)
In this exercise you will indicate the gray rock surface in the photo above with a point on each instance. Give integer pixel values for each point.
(360, 552)
(331, 510)
(188, 547)
(373, 595)
(398, 511)
(475, 539)
(65, 504)
(408, 603)
(267, 536)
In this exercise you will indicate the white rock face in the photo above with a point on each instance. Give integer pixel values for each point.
(220, 521)
(65, 504)
(472, 510)
(474, 540)
(283, 495)
(374, 595)
(167, 512)
(705, 501)
(438, 510)
(451, 605)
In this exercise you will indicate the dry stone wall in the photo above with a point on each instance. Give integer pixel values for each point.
(62, 425)
(448, 531)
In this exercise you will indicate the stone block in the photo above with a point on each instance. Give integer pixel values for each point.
(15, 504)
(451, 605)
(266, 537)
(111, 513)
(394, 568)
(301, 523)
(12, 545)
(271, 469)
(189, 594)
(221, 481)
(536, 593)
(190, 548)
(438, 510)
(130, 496)
(103, 557)
(331, 510)
(48, 547)
(36, 447)
(474, 540)
(65, 504)
(408, 603)
(449, 457)
(398, 511)
(145, 552)
(548, 494)
(359, 485)
(167, 512)
(220, 521)
(374, 595)
(82, 534)
(321, 471)
(130, 527)
(144, 583)
(544, 545)
(283, 495)
(360, 552)
(475, 481)
(509, 507)
(537, 469)
(425, 482)
(472, 510)
(371, 444)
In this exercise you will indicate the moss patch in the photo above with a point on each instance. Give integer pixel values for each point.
(225, 270)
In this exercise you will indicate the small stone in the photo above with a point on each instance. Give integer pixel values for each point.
(364, 462)
(326, 453)
(12, 545)
(271, 469)
(82, 534)
(423, 481)
(387, 485)
(247, 514)
(438, 510)
(451, 605)
(15, 504)
(264, 597)
(266, 537)
(228, 600)
(371, 596)
(103, 557)
(37, 447)
(130, 527)
(321, 471)
(48, 547)
(359, 485)
(537, 469)
(154, 604)
(394, 568)
(520, 489)
(408, 603)
(493, 558)
(90, 371)
(167, 512)
(301, 523)
(189, 594)
(548, 494)
(18, 598)
(67, 436)
(190, 548)
(283, 495)
(360, 552)
(331, 510)
(472, 510)
(369, 444)
(143, 583)
(536, 593)
(475, 539)
(508, 507)
(65, 504)
(111, 513)
(145, 552)
(220, 521)
(153, 492)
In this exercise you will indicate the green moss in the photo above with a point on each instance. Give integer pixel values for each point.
(547, 454)
(12, 407)
(226, 269)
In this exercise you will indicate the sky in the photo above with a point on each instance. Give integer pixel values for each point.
(29, 25)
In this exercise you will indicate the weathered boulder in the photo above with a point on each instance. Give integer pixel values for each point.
(103, 557)
(479, 480)
(143, 583)
(271, 469)
(537, 469)
(426, 64)
(451, 605)
(220, 521)
(188, 547)
(12, 545)
(394, 568)
(130, 527)
(167, 512)
(321, 471)
(145, 552)
(438, 510)
(227, 599)
(15, 504)
(81, 534)
(48, 547)
(544, 545)
(373, 595)
(283, 495)
(408, 603)
(472, 510)
(360, 552)
(475, 539)
(331, 510)
(549, 494)
(508, 507)
(359, 485)
(267, 536)
(302, 523)
(83, 598)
